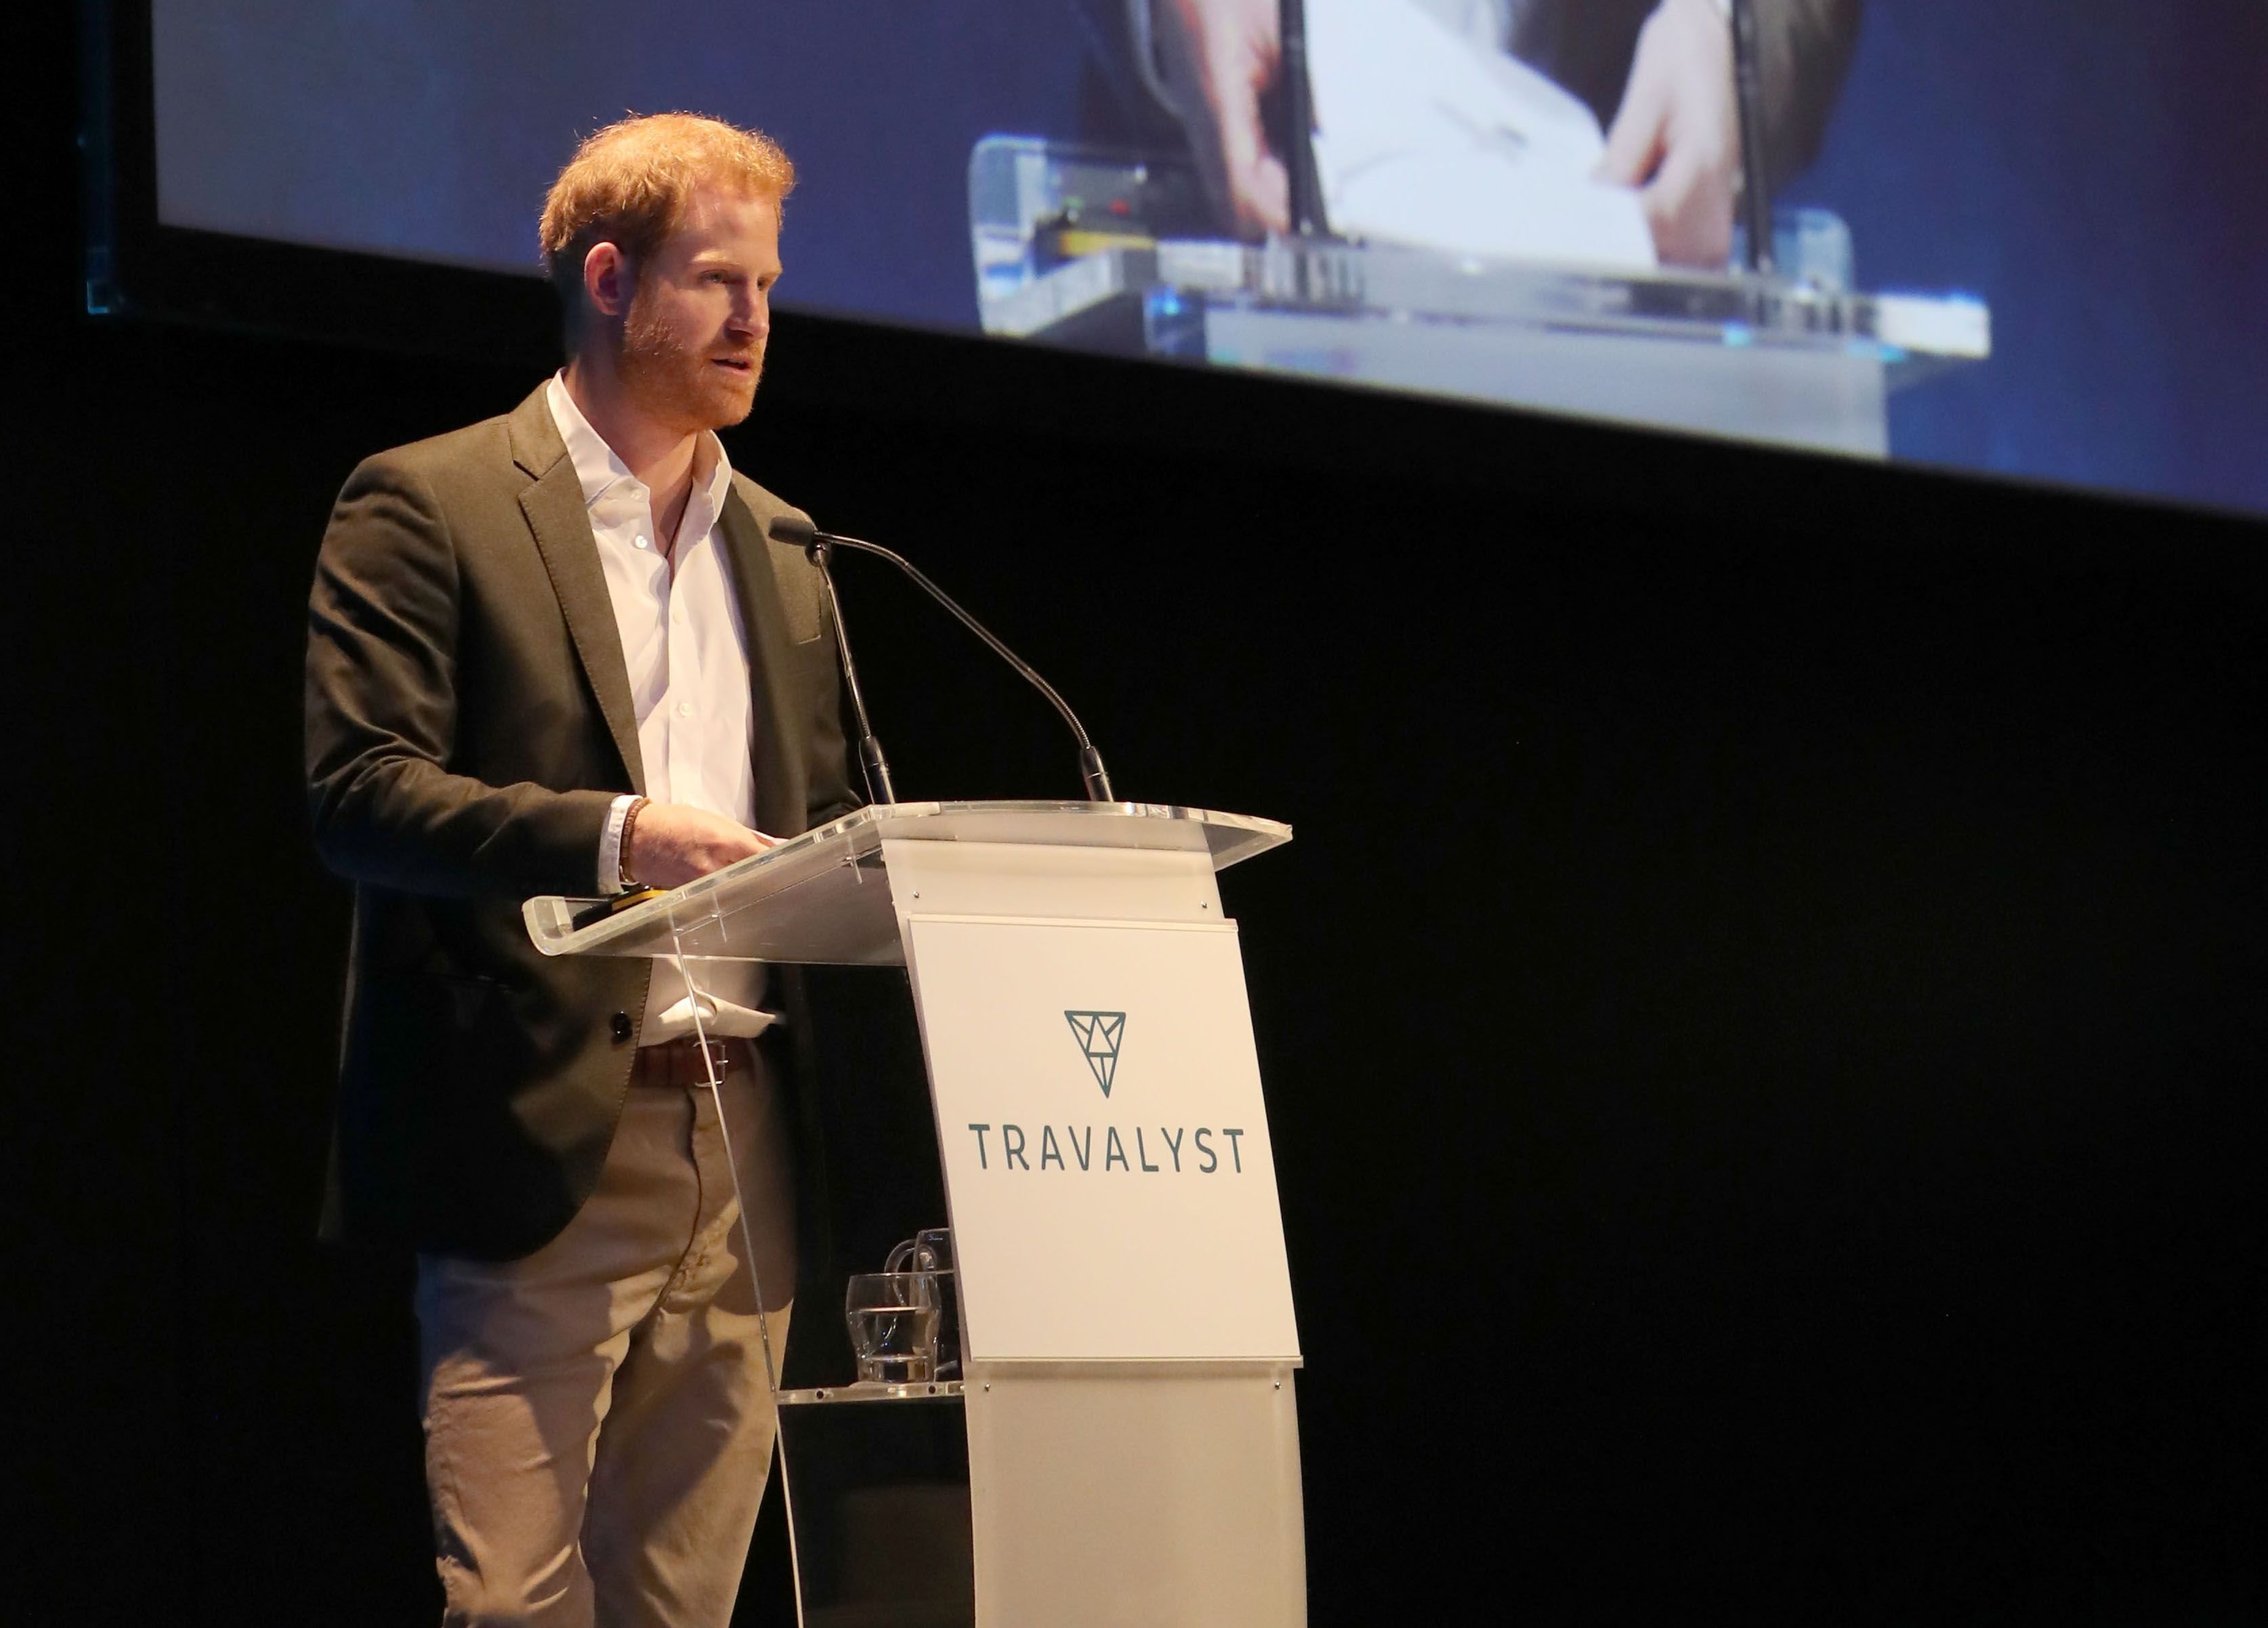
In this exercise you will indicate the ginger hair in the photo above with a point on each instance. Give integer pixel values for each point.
(631, 183)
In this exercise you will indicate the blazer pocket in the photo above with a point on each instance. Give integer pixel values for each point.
(802, 595)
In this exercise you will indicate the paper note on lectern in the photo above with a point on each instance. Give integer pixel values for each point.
(1424, 137)
(1106, 1156)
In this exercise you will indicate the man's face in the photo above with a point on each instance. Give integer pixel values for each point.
(693, 339)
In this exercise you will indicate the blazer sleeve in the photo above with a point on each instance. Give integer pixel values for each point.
(1805, 46)
(381, 716)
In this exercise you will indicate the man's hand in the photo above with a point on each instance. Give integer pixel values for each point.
(1219, 57)
(671, 843)
(1677, 136)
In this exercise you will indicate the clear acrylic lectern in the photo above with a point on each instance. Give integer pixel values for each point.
(1121, 1446)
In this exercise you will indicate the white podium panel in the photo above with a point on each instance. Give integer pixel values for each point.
(1161, 1495)
(1107, 1158)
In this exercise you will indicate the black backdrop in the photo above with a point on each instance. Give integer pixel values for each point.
(1763, 1018)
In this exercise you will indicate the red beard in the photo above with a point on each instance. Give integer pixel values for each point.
(677, 385)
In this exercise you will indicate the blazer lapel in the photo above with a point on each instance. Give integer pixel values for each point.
(781, 793)
(561, 522)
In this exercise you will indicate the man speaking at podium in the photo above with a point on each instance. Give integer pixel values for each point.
(554, 652)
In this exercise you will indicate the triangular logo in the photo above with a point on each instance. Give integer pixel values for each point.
(1099, 1034)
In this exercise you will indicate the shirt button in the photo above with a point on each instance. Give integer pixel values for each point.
(643, 544)
(685, 708)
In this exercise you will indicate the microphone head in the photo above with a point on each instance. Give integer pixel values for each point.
(795, 530)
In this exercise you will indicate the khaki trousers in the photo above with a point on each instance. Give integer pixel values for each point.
(598, 1421)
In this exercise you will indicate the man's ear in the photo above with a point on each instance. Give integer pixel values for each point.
(608, 279)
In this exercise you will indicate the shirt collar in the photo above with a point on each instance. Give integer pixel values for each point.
(600, 468)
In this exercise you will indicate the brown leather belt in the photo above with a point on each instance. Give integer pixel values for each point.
(680, 1062)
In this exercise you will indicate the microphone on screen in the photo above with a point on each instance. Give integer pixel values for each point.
(798, 532)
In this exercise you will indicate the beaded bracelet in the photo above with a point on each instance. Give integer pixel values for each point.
(622, 863)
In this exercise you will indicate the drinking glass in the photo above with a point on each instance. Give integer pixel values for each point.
(930, 1253)
(893, 1318)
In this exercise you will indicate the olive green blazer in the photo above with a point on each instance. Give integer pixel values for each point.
(469, 725)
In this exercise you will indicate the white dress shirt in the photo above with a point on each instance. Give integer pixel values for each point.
(687, 657)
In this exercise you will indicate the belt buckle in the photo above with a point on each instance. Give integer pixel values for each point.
(712, 1057)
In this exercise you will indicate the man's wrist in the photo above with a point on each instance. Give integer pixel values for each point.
(626, 872)
(614, 847)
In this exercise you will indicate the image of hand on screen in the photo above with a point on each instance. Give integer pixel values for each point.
(1218, 58)
(1656, 75)
(1676, 136)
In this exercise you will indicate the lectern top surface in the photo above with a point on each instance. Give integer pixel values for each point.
(566, 926)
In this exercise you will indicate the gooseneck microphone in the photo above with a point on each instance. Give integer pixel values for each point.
(793, 529)
(798, 532)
